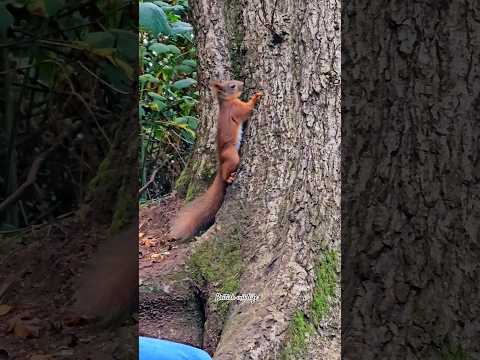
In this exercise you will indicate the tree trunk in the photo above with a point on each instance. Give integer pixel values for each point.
(410, 226)
(285, 202)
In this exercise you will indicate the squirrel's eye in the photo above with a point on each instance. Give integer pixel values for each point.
(232, 86)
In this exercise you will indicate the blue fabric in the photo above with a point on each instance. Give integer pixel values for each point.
(156, 349)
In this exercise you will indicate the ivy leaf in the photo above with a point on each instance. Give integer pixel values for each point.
(181, 28)
(158, 100)
(126, 43)
(153, 19)
(160, 48)
(190, 121)
(154, 95)
(148, 78)
(182, 84)
(190, 62)
(183, 69)
(177, 9)
(99, 39)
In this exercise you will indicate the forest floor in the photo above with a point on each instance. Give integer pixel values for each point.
(155, 251)
(39, 270)
(168, 307)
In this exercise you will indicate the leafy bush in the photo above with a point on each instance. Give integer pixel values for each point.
(168, 92)
(67, 74)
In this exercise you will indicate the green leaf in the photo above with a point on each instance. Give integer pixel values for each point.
(74, 22)
(183, 69)
(182, 84)
(177, 9)
(157, 105)
(6, 19)
(160, 48)
(99, 39)
(190, 62)
(191, 121)
(148, 78)
(126, 43)
(114, 75)
(153, 19)
(181, 28)
(156, 96)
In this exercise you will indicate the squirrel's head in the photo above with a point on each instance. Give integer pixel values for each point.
(227, 90)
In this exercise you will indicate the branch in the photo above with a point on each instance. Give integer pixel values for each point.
(152, 178)
(32, 175)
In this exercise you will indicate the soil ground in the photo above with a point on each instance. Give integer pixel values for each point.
(155, 251)
(168, 306)
(39, 268)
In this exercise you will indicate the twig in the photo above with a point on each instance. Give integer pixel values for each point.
(32, 175)
(101, 80)
(152, 179)
(82, 100)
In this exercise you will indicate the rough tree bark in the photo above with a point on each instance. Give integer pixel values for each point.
(287, 194)
(410, 226)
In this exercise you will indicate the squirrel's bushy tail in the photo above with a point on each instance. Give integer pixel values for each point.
(108, 290)
(200, 212)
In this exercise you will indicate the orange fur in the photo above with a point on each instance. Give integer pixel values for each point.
(200, 212)
(233, 112)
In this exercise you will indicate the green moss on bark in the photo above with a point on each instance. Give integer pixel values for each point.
(189, 185)
(217, 265)
(455, 352)
(183, 181)
(303, 323)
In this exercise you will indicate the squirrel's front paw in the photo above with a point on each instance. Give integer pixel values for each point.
(258, 95)
(231, 178)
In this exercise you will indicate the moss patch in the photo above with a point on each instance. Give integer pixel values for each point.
(105, 178)
(325, 284)
(190, 185)
(304, 323)
(455, 352)
(217, 265)
(181, 185)
(300, 328)
(125, 210)
(208, 172)
(192, 191)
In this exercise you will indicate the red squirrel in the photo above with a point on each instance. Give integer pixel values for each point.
(233, 112)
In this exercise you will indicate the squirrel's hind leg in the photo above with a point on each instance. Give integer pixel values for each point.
(229, 160)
